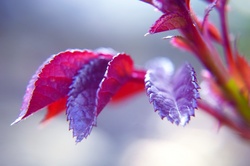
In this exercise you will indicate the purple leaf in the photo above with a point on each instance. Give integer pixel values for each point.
(81, 104)
(173, 95)
(93, 88)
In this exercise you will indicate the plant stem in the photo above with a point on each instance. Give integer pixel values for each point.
(225, 37)
(223, 119)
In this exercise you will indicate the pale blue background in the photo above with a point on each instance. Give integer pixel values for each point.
(127, 134)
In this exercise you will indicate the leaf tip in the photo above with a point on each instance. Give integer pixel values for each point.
(184, 120)
(21, 116)
(16, 121)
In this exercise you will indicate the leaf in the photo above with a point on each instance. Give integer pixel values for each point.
(173, 95)
(133, 86)
(175, 15)
(52, 80)
(182, 43)
(169, 21)
(55, 108)
(81, 104)
(208, 29)
(167, 6)
(92, 89)
(118, 73)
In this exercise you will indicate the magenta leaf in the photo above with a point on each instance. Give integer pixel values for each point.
(52, 80)
(169, 6)
(81, 104)
(133, 86)
(173, 95)
(181, 43)
(167, 22)
(55, 109)
(119, 71)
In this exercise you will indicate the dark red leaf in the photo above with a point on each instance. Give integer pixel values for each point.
(52, 80)
(128, 89)
(167, 22)
(170, 6)
(55, 108)
(182, 43)
(119, 71)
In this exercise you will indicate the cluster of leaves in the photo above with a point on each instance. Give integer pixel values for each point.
(82, 82)
(228, 83)
(225, 86)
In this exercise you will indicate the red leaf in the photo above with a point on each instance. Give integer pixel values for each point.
(170, 6)
(119, 71)
(213, 32)
(133, 86)
(167, 22)
(52, 80)
(182, 43)
(55, 108)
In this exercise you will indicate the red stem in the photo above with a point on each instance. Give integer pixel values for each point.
(243, 131)
(225, 32)
(206, 53)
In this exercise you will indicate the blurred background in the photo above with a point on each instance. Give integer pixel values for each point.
(128, 133)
